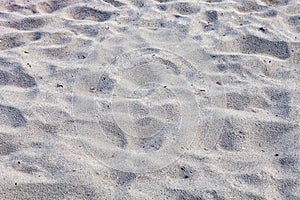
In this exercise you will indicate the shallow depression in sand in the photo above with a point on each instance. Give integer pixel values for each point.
(141, 112)
(144, 108)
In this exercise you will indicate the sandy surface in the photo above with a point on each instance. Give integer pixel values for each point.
(149, 99)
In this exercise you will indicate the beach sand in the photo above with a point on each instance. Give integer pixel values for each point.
(149, 99)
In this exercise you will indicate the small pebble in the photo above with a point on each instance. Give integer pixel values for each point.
(92, 89)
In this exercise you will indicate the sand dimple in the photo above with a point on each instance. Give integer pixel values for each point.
(186, 8)
(114, 3)
(11, 116)
(27, 23)
(10, 41)
(87, 13)
(212, 15)
(7, 144)
(51, 6)
(53, 190)
(12, 73)
(254, 44)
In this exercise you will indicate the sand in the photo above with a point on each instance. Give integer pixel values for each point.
(149, 99)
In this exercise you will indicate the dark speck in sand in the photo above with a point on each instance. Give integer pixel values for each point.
(81, 56)
(262, 29)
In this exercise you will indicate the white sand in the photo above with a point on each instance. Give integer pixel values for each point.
(149, 99)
